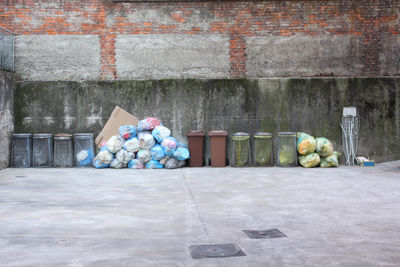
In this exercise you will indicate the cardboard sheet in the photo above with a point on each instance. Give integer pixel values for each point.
(118, 118)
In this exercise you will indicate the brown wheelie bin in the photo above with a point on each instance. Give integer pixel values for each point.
(196, 143)
(218, 148)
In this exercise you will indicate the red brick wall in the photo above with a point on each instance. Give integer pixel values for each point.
(368, 19)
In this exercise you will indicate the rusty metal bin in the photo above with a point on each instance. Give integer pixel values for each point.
(196, 144)
(218, 148)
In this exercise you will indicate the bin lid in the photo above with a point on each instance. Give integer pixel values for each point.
(218, 133)
(240, 134)
(78, 135)
(240, 138)
(262, 135)
(43, 135)
(62, 137)
(22, 135)
(286, 134)
(195, 133)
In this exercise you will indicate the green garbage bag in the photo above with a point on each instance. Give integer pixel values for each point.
(331, 161)
(324, 147)
(310, 160)
(305, 144)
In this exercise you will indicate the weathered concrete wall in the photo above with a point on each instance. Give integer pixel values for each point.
(296, 56)
(108, 40)
(62, 57)
(77, 58)
(311, 105)
(6, 116)
(390, 56)
(170, 56)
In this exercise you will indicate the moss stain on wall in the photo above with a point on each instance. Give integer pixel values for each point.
(312, 105)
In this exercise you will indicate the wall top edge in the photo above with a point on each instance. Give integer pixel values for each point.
(213, 79)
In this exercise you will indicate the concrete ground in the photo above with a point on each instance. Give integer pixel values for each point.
(347, 216)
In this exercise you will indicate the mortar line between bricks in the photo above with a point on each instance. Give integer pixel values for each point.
(196, 206)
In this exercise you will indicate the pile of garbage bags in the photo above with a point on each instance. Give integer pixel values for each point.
(313, 152)
(149, 145)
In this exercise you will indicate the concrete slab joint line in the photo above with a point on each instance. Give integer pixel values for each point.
(192, 198)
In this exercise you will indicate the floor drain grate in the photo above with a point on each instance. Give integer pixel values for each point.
(216, 251)
(258, 234)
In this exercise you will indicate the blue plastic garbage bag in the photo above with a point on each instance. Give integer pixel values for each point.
(154, 164)
(127, 131)
(143, 155)
(181, 145)
(84, 158)
(160, 133)
(132, 145)
(115, 143)
(169, 146)
(104, 156)
(163, 160)
(124, 156)
(104, 148)
(172, 163)
(98, 165)
(181, 153)
(148, 124)
(135, 164)
(157, 152)
(146, 140)
(116, 164)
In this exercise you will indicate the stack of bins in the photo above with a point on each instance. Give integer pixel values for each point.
(287, 151)
(263, 150)
(42, 150)
(83, 149)
(21, 150)
(241, 151)
(63, 151)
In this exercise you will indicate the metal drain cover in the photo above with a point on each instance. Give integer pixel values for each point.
(216, 251)
(258, 234)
